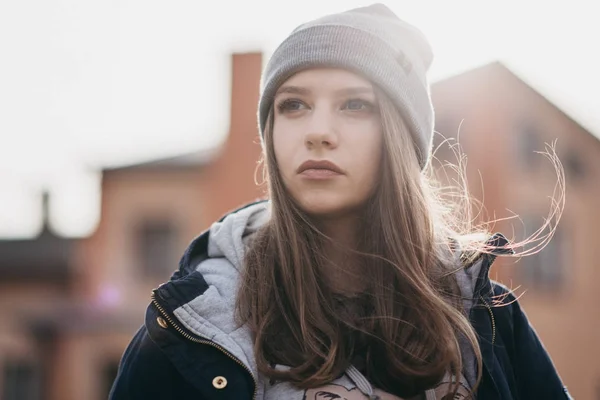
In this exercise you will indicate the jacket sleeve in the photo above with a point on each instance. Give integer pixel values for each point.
(146, 373)
(535, 374)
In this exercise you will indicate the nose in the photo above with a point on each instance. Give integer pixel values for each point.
(321, 132)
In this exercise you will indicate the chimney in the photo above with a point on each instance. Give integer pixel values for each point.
(232, 179)
(45, 211)
(245, 85)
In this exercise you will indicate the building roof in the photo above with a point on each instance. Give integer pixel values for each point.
(545, 91)
(569, 97)
(46, 257)
(564, 94)
(189, 160)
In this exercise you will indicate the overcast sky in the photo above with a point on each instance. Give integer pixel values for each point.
(86, 84)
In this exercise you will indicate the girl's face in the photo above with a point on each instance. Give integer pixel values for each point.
(327, 138)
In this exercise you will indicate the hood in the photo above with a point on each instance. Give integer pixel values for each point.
(228, 237)
(211, 315)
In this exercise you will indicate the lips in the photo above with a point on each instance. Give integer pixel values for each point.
(323, 165)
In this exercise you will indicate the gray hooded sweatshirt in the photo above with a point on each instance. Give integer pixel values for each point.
(211, 315)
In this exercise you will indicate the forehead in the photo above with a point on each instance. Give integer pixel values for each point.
(327, 79)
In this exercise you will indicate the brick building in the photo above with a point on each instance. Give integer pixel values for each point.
(73, 305)
(503, 122)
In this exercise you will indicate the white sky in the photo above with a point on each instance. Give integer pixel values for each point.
(90, 83)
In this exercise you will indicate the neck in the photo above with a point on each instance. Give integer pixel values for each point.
(342, 269)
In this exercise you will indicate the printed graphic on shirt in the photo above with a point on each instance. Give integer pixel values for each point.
(442, 389)
(335, 392)
(339, 392)
(344, 388)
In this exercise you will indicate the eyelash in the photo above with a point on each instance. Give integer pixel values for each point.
(369, 106)
(285, 104)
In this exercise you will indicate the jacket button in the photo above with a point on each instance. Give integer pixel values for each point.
(219, 382)
(162, 322)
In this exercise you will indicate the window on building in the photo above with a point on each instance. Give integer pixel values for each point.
(157, 247)
(574, 166)
(545, 269)
(529, 142)
(21, 381)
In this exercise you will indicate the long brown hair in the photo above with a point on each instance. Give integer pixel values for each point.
(410, 318)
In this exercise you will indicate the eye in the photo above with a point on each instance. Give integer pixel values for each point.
(358, 105)
(290, 105)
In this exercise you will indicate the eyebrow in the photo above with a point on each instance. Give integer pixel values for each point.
(305, 91)
(355, 90)
(292, 90)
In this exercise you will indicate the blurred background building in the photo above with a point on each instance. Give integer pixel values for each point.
(503, 123)
(70, 306)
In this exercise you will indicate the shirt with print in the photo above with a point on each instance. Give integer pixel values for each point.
(353, 386)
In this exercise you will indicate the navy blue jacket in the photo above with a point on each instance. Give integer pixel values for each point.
(166, 361)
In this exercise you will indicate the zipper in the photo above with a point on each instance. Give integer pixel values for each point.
(202, 341)
(492, 317)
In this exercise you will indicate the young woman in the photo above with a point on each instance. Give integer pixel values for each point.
(348, 282)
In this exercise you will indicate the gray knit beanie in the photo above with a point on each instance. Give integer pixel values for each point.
(373, 42)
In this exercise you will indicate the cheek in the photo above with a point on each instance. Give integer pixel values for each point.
(367, 156)
(284, 148)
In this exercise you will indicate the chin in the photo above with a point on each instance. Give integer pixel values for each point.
(326, 206)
